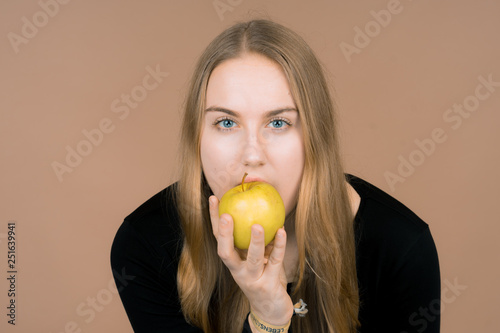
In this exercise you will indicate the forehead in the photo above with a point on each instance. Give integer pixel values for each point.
(251, 81)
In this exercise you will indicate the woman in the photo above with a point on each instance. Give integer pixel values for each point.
(258, 103)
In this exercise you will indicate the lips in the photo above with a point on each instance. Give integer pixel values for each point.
(254, 179)
(251, 178)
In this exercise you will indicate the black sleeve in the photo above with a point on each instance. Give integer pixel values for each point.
(397, 266)
(413, 291)
(418, 292)
(145, 276)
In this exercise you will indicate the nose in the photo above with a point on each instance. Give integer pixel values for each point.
(254, 151)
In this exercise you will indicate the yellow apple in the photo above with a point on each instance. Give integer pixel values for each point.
(253, 203)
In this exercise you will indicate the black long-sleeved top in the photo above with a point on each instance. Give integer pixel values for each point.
(396, 259)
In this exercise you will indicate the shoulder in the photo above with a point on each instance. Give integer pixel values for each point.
(153, 227)
(144, 259)
(383, 218)
(396, 261)
(154, 210)
(157, 214)
(389, 236)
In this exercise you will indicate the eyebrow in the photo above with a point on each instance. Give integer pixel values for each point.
(235, 114)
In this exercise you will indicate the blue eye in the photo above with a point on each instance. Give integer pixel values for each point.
(227, 123)
(279, 123)
(224, 124)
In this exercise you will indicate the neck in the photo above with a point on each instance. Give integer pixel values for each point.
(290, 222)
(291, 255)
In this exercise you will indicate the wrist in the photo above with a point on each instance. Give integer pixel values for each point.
(274, 313)
(259, 325)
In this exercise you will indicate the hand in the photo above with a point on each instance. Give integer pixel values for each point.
(263, 281)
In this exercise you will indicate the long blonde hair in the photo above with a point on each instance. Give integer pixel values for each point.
(327, 280)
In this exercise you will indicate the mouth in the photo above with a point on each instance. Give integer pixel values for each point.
(249, 179)
(254, 179)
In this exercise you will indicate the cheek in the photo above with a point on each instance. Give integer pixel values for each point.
(289, 152)
(289, 161)
(217, 158)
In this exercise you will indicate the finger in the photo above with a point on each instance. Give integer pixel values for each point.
(225, 243)
(277, 256)
(213, 204)
(255, 255)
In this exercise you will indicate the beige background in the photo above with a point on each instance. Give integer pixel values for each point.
(63, 78)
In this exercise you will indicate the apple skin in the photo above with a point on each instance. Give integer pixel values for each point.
(253, 203)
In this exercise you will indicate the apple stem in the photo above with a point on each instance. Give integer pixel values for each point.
(242, 181)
